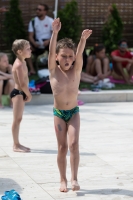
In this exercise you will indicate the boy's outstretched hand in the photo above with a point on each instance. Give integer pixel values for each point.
(86, 33)
(56, 25)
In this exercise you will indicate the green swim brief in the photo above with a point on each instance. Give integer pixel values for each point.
(66, 115)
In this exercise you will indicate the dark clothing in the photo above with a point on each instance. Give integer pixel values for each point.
(4, 85)
(38, 51)
(16, 92)
(4, 82)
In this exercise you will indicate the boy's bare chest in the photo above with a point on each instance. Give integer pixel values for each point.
(64, 81)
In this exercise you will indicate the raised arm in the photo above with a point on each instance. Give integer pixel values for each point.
(79, 57)
(56, 25)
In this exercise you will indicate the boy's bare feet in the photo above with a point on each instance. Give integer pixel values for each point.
(63, 186)
(21, 148)
(75, 185)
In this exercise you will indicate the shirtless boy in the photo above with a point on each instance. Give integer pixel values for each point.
(20, 93)
(65, 69)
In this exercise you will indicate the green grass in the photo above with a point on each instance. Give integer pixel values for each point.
(117, 86)
(33, 77)
(88, 85)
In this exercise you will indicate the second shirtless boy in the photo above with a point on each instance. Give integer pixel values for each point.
(65, 66)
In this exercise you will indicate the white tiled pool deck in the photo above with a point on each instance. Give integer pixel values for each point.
(106, 154)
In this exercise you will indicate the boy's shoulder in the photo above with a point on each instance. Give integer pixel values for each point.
(17, 64)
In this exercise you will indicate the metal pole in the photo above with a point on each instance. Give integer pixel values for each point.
(56, 9)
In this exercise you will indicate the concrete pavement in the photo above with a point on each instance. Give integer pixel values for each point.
(106, 154)
(89, 97)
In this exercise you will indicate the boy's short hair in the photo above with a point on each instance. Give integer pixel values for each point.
(19, 45)
(2, 54)
(65, 43)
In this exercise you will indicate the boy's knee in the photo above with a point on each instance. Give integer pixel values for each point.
(73, 146)
(63, 148)
(18, 120)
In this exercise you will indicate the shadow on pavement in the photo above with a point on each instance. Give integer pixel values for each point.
(48, 151)
(7, 184)
(112, 191)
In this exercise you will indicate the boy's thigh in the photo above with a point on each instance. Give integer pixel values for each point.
(18, 105)
(60, 129)
(74, 128)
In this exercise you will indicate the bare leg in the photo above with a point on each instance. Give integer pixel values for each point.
(106, 69)
(98, 68)
(61, 134)
(89, 64)
(130, 71)
(18, 107)
(88, 78)
(73, 138)
(8, 88)
(1, 89)
(30, 65)
(119, 70)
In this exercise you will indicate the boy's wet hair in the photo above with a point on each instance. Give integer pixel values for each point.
(19, 45)
(65, 43)
(2, 55)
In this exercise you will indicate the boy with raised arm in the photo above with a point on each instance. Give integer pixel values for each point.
(65, 68)
(20, 93)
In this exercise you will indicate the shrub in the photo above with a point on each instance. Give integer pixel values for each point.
(13, 24)
(71, 21)
(112, 30)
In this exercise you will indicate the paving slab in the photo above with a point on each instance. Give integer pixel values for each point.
(106, 152)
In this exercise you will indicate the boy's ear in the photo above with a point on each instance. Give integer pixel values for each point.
(19, 52)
